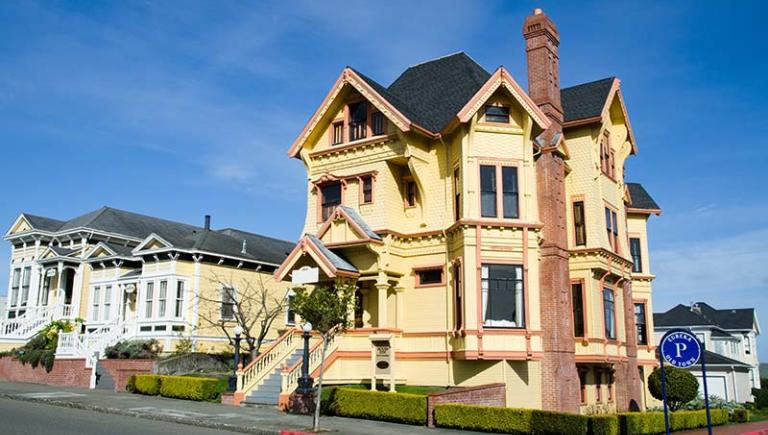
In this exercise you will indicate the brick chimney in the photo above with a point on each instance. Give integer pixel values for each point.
(541, 42)
(560, 390)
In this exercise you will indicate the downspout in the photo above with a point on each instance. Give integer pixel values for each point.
(447, 260)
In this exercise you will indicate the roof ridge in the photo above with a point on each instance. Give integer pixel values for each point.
(220, 231)
(589, 83)
(456, 53)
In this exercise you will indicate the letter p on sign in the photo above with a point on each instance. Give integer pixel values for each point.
(680, 348)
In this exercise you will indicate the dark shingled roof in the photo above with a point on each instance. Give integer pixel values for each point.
(355, 216)
(729, 319)
(337, 260)
(712, 358)
(639, 197)
(60, 251)
(586, 100)
(435, 91)
(182, 236)
(43, 223)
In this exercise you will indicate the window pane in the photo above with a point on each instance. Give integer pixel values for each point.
(615, 224)
(161, 298)
(509, 188)
(578, 310)
(637, 261)
(358, 120)
(488, 191)
(502, 288)
(179, 298)
(377, 123)
(338, 133)
(367, 190)
(642, 332)
(331, 197)
(497, 114)
(579, 227)
(149, 297)
(431, 276)
(609, 319)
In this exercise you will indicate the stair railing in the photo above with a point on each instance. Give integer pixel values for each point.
(27, 325)
(250, 376)
(291, 375)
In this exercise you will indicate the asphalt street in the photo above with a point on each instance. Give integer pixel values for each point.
(23, 418)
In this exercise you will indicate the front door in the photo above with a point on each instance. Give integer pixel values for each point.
(69, 286)
(128, 310)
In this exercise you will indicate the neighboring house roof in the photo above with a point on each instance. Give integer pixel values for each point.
(228, 241)
(716, 359)
(435, 91)
(355, 216)
(586, 100)
(719, 333)
(61, 251)
(640, 198)
(763, 370)
(703, 314)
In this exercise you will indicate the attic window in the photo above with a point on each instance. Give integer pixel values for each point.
(498, 114)
(358, 120)
(337, 133)
(330, 197)
(377, 123)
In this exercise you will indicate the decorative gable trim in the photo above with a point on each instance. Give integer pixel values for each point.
(350, 77)
(306, 246)
(500, 78)
(615, 92)
(16, 224)
(100, 247)
(151, 238)
(340, 213)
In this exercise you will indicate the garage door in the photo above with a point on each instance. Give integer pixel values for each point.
(716, 385)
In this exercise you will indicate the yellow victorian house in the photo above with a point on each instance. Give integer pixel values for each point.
(490, 231)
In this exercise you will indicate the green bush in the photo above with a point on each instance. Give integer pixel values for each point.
(134, 349)
(682, 386)
(554, 423)
(740, 416)
(483, 418)
(648, 423)
(373, 405)
(41, 349)
(130, 386)
(603, 425)
(148, 384)
(761, 397)
(189, 388)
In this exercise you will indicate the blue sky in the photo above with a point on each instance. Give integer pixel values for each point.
(178, 109)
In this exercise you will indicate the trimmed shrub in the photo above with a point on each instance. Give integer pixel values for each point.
(373, 405)
(483, 418)
(148, 384)
(761, 397)
(554, 423)
(189, 388)
(682, 386)
(603, 425)
(649, 423)
(130, 386)
(134, 349)
(740, 416)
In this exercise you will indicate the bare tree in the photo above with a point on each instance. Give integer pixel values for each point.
(246, 302)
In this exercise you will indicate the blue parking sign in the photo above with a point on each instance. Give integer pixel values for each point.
(680, 348)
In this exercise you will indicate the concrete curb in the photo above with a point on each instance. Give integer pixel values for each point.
(145, 416)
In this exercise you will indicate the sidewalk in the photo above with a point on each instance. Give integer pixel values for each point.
(261, 420)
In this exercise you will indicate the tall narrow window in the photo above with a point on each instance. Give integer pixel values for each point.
(359, 310)
(605, 154)
(637, 259)
(615, 229)
(162, 297)
(410, 192)
(358, 120)
(498, 114)
(579, 227)
(488, 191)
(330, 195)
(583, 385)
(337, 133)
(178, 309)
(599, 385)
(367, 188)
(377, 123)
(642, 328)
(509, 188)
(46, 290)
(95, 304)
(290, 313)
(612, 164)
(747, 345)
(456, 194)
(15, 284)
(227, 303)
(502, 296)
(25, 286)
(612, 229)
(458, 303)
(609, 314)
(148, 300)
(577, 299)
(107, 301)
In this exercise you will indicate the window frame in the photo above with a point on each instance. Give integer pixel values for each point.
(612, 228)
(422, 269)
(362, 182)
(321, 199)
(637, 266)
(95, 303)
(13, 300)
(106, 305)
(178, 306)
(496, 117)
(231, 297)
(457, 193)
(407, 182)
(643, 303)
(162, 299)
(361, 128)
(457, 272)
(583, 297)
(333, 138)
(614, 325)
(290, 313)
(579, 241)
(375, 113)
(26, 282)
(499, 189)
(149, 299)
(485, 292)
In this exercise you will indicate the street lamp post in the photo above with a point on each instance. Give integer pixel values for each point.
(305, 382)
(233, 376)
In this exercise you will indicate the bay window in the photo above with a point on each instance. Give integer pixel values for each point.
(493, 179)
(577, 299)
(502, 295)
(640, 324)
(161, 299)
(179, 299)
(149, 298)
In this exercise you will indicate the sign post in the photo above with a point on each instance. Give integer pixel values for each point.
(681, 349)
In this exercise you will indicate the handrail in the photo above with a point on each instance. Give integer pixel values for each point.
(33, 319)
(291, 375)
(249, 377)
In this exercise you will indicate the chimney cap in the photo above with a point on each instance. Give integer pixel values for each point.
(537, 11)
(207, 222)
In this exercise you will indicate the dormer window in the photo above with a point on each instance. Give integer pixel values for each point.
(499, 114)
(337, 133)
(330, 198)
(377, 123)
(358, 120)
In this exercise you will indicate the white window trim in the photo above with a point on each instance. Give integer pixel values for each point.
(221, 304)
(288, 297)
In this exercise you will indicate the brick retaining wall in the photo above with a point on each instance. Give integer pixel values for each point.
(65, 372)
(486, 395)
(122, 369)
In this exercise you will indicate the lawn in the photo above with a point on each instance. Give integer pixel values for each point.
(758, 415)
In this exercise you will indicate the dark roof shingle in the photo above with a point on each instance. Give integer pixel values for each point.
(728, 319)
(586, 100)
(43, 223)
(640, 198)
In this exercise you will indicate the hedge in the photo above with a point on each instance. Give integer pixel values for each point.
(177, 387)
(374, 405)
(509, 420)
(603, 425)
(648, 423)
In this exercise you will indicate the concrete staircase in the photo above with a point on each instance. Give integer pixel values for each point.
(268, 392)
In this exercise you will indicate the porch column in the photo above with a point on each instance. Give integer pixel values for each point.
(382, 290)
(60, 289)
(35, 282)
(399, 322)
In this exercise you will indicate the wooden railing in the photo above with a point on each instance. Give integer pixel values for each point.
(291, 375)
(26, 325)
(250, 376)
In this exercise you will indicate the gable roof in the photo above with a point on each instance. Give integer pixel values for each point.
(586, 100)
(336, 260)
(728, 319)
(43, 223)
(715, 359)
(438, 89)
(640, 200)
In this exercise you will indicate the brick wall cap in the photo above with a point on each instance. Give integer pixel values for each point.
(466, 389)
